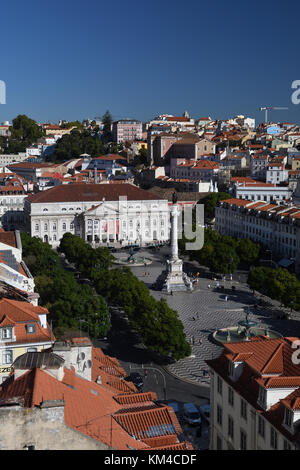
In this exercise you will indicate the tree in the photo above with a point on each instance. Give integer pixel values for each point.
(66, 300)
(107, 123)
(76, 143)
(24, 132)
(210, 201)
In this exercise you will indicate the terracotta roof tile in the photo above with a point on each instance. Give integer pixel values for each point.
(91, 192)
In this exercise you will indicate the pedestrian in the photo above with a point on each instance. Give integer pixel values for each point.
(194, 318)
(193, 340)
(208, 286)
(171, 292)
(200, 341)
(226, 298)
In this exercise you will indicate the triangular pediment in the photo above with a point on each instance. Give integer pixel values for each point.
(104, 208)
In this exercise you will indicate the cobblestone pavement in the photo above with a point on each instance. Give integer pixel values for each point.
(205, 309)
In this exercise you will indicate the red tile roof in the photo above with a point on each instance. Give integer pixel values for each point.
(91, 192)
(121, 421)
(8, 238)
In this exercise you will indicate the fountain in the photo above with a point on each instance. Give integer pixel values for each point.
(132, 259)
(244, 331)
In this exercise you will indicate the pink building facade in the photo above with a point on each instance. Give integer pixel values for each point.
(127, 130)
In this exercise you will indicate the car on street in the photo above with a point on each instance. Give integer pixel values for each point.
(191, 414)
(205, 412)
(136, 379)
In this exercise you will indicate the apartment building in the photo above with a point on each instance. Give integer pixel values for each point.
(276, 226)
(126, 130)
(259, 191)
(204, 170)
(255, 391)
(258, 165)
(276, 173)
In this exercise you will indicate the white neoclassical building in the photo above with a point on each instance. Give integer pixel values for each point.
(98, 213)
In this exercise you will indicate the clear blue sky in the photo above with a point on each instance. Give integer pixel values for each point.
(72, 59)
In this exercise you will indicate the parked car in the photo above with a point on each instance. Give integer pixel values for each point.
(205, 412)
(191, 414)
(136, 379)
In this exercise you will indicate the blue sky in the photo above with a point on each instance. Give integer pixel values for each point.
(70, 59)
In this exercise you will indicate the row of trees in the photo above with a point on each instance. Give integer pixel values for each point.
(66, 300)
(222, 253)
(277, 284)
(158, 324)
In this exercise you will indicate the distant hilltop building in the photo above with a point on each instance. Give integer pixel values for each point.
(126, 130)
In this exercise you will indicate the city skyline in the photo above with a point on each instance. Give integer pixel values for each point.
(139, 61)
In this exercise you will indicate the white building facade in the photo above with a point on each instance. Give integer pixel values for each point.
(261, 192)
(98, 213)
(276, 226)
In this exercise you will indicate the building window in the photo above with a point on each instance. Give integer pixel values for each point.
(37, 227)
(30, 328)
(54, 227)
(219, 385)
(262, 396)
(288, 417)
(219, 415)
(230, 427)
(231, 368)
(230, 396)
(7, 357)
(6, 333)
(45, 227)
(243, 440)
(244, 409)
(273, 439)
(286, 445)
(64, 226)
(219, 443)
(261, 426)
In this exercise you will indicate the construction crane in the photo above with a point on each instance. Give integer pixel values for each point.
(267, 108)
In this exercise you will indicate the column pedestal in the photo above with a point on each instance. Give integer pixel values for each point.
(174, 279)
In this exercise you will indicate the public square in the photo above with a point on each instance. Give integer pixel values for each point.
(205, 310)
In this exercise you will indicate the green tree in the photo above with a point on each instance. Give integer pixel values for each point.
(107, 123)
(24, 132)
(210, 201)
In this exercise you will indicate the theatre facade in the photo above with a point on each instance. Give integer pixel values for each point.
(98, 213)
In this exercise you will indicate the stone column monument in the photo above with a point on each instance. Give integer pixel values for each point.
(175, 278)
